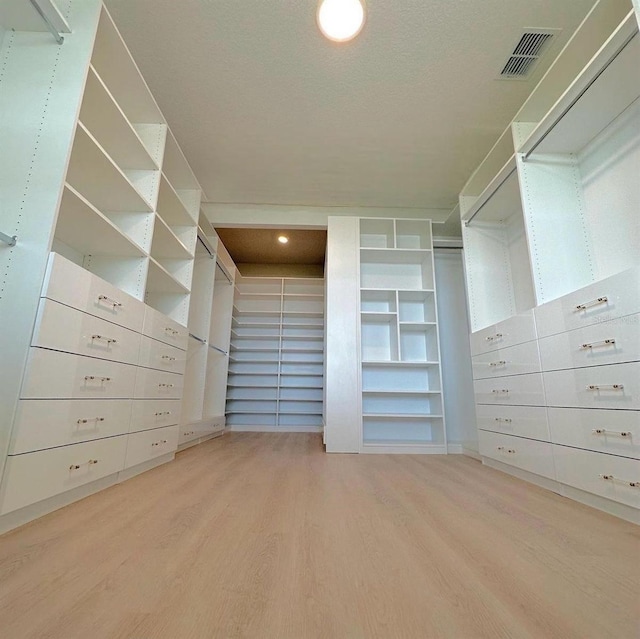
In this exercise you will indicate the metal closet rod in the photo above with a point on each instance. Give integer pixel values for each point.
(43, 15)
(224, 273)
(204, 341)
(8, 239)
(573, 102)
(506, 177)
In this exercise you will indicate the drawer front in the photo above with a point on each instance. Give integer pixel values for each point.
(161, 356)
(36, 476)
(152, 384)
(616, 432)
(189, 432)
(613, 386)
(604, 343)
(616, 296)
(530, 455)
(70, 284)
(515, 360)
(148, 444)
(154, 413)
(518, 390)
(47, 423)
(54, 375)
(524, 421)
(164, 329)
(63, 328)
(598, 473)
(515, 330)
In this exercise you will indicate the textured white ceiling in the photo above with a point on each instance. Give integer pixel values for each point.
(269, 112)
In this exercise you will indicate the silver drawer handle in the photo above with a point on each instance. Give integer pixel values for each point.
(91, 378)
(169, 358)
(165, 385)
(633, 484)
(604, 342)
(504, 420)
(502, 449)
(597, 387)
(114, 303)
(603, 431)
(497, 391)
(599, 300)
(492, 338)
(163, 441)
(91, 462)
(108, 340)
(166, 412)
(86, 421)
(500, 363)
(171, 331)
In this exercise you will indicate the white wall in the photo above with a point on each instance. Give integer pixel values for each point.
(455, 351)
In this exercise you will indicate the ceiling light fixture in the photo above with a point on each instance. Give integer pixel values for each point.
(341, 20)
(283, 239)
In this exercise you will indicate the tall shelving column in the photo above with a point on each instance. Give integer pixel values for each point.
(402, 407)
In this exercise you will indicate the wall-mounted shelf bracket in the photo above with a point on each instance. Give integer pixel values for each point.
(8, 239)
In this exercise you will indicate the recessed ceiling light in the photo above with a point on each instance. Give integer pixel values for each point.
(341, 20)
(283, 239)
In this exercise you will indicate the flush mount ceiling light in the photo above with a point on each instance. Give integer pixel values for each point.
(341, 20)
(283, 239)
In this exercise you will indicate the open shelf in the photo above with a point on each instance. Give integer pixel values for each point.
(259, 286)
(171, 208)
(176, 168)
(160, 280)
(166, 244)
(396, 269)
(382, 378)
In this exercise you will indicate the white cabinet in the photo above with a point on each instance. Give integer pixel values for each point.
(522, 421)
(509, 332)
(145, 445)
(514, 360)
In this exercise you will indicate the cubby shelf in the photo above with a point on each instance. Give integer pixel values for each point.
(160, 280)
(166, 244)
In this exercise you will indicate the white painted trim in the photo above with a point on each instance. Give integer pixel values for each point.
(410, 449)
(455, 449)
(261, 428)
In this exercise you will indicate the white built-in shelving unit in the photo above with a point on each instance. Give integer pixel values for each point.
(276, 355)
(402, 407)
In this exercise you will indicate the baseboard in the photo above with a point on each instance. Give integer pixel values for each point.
(128, 473)
(244, 428)
(455, 449)
(200, 440)
(470, 452)
(408, 449)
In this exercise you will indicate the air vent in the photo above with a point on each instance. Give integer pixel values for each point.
(530, 48)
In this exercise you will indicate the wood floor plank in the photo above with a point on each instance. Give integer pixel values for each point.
(265, 536)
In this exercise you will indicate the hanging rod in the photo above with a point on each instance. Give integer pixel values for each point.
(573, 102)
(198, 339)
(8, 239)
(493, 192)
(59, 39)
(215, 348)
(224, 272)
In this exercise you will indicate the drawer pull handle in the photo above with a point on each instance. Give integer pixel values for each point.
(603, 431)
(86, 421)
(91, 462)
(169, 358)
(166, 412)
(597, 387)
(91, 378)
(633, 484)
(114, 303)
(499, 363)
(165, 385)
(504, 420)
(599, 300)
(604, 342)
(171, 331)
(502, 449)
(493, 338)
(162, 441)
(108, 340)
(498, 391)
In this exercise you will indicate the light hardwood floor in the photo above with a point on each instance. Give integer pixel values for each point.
(265, 536)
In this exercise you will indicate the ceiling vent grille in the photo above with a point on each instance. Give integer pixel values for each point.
(530, 48)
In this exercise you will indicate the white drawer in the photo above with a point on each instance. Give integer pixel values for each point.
(515, 330)
(148, 444)
(54, 375)
(189, 432)
(161, 356)
(527, 454)
(515, 360)
(612, 342)
(46, 423)
(612, 386)
(614, 297)
(164, 329)
(518, 390)
(524, 421)
(36, 476)
(587, 470)
(616, 432)
(152, 384)
(63, 328)
(70, 284)
(154, 413)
